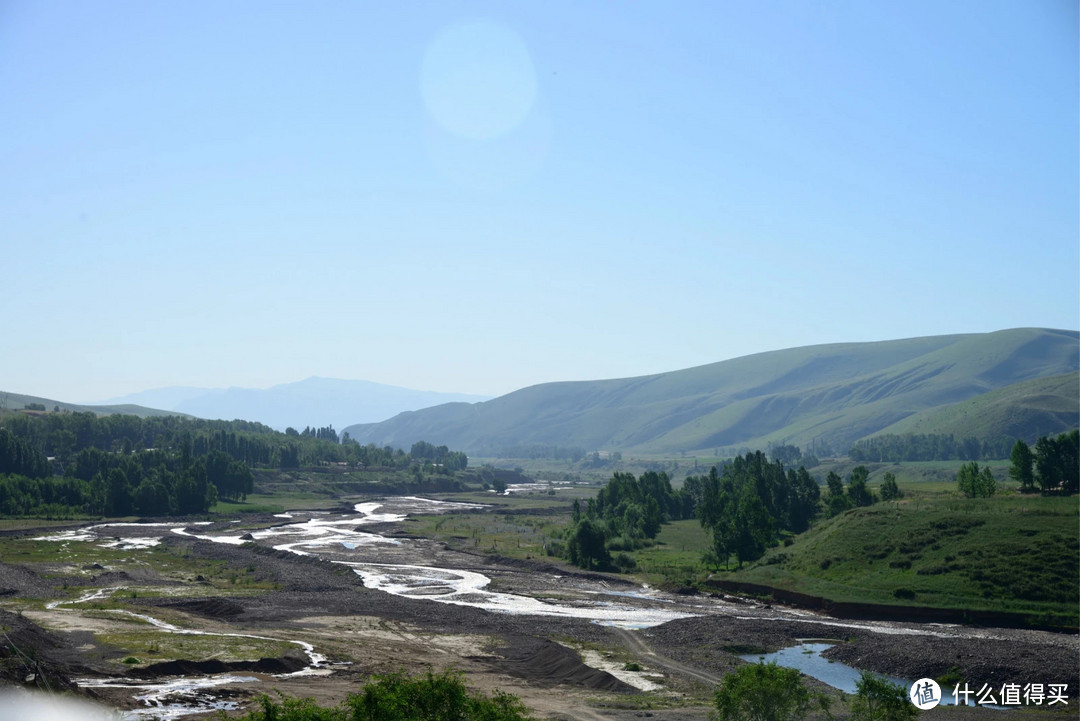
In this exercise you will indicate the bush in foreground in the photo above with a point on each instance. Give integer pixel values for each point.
(766, 692)
(878, 699)
(398, 697)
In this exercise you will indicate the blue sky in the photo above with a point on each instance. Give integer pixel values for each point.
(476, 197)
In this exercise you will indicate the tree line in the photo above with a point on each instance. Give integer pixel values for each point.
(746, 504)
(892, 448)
(62, 464)
(1054, 465)
(540, 451)
(147, 483)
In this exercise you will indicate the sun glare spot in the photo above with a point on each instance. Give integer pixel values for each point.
(477, 79)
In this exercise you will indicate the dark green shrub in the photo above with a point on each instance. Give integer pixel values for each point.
(765, 692)
(878, 699)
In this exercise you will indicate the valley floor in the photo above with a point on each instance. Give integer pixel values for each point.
(562, 667)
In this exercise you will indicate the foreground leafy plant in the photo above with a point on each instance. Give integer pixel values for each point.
(878, 699)
(766, 692)
(399, 697)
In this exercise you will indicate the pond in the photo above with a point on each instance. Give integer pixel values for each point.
(806, 658)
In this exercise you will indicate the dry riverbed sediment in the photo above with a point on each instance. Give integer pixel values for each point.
(320, 599)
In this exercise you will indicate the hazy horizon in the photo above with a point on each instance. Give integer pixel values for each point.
(476, 201)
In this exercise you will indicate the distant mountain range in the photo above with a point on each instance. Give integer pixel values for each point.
(1020, 382)
(315, 402)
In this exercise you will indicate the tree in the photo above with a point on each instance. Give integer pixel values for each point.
(587, 545)
(837, 502)
(889, 490)
(878, 699)
(1057, 462)
(118, 494)
(1021, 468)
(974, 483)
(765, 692)
(857, 491)
(753, 528)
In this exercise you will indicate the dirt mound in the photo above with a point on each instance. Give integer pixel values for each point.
(21, 581)
(548, 663)
(985, 660)
(32, 656)
(219, 609)
(110, 578)
(288, 663)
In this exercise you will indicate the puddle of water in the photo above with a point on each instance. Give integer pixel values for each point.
(168, 700)
(126, 544)
(807, 659)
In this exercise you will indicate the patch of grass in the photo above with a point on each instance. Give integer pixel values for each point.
(153, 646)
(675, 557)
(519, 536)
(66, 558)
(19, 524)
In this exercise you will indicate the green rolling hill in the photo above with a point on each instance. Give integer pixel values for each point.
(834, 394)
(17, 402)
(1039, 407)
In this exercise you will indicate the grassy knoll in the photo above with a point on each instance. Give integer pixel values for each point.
(1007, 553)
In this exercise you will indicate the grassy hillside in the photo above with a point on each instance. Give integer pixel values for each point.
(16, 402)
(1009, 553)
(833, 393)
(1026, 410)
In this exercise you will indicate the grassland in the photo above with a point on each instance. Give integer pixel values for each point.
(1007, 553)
(675, 557)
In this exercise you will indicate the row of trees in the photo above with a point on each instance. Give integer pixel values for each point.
(147, 483)
(746, 504)
(439, 457)
(538, 451)
(63, 435)
(1053, 466)
(106, 468)
(891, 448)
(857, 494)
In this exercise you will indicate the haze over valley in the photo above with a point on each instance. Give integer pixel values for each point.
(314, 401)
